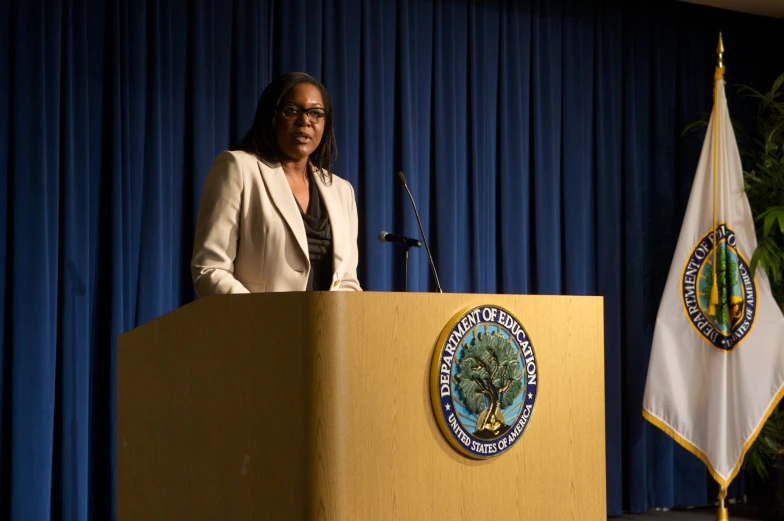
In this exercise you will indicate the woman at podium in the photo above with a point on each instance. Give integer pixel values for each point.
(273, 216)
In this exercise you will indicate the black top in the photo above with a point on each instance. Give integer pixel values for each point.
(319, 234)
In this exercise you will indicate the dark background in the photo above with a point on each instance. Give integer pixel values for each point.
(542, 140)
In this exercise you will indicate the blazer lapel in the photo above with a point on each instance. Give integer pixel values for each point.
(283, 199)
(338, 222)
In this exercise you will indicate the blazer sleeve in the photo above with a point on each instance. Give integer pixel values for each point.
(349, 281)
(217, 228)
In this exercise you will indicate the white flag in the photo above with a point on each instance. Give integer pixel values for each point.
(716, 371)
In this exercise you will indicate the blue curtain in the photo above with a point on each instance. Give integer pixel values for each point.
(541, 139)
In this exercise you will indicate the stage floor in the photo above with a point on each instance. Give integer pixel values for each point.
(737, 513)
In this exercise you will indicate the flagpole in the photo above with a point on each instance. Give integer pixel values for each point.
(717, 77)
(722, 514)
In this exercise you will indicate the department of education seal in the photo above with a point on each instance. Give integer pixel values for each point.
(483, 381)
(726, 324)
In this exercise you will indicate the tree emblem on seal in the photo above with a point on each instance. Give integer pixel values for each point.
(489, 379)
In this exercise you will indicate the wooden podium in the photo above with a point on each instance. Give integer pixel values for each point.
(316, 406)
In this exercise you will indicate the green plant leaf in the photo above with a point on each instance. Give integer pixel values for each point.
(754, 261)
(696, 125)
(772, 264)
(749, 92)
(777, 85)
(770, 220)
(764, 214)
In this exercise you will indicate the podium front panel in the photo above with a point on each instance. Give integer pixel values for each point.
(316, 406)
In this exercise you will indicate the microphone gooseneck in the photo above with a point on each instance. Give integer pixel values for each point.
(401, 179)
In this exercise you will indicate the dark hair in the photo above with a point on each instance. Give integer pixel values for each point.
(262, 139)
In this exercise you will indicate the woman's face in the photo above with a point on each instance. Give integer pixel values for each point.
(300, 136)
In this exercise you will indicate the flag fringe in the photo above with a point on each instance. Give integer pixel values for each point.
(686, 444)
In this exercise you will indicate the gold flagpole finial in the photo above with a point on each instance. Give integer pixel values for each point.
(720, 65)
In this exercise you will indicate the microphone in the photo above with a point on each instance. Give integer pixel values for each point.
(408, 242)
(401, 179)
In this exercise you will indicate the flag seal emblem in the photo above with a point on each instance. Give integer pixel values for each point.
(732, 319)
(484, 381)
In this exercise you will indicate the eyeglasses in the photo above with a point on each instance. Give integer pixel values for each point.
(293, 112)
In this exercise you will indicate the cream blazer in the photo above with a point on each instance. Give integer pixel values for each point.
(250, 237)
